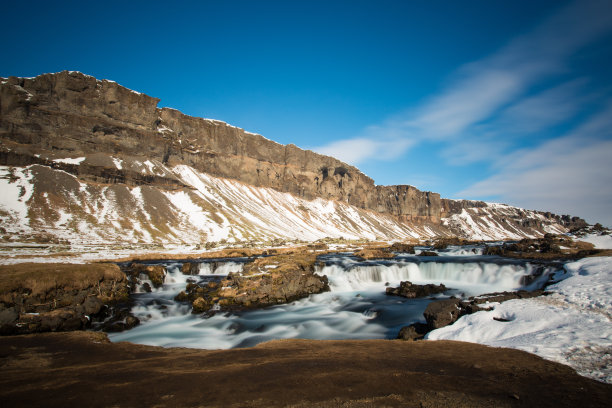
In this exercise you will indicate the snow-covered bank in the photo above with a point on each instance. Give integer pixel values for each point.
(572, 326)
(599, 241)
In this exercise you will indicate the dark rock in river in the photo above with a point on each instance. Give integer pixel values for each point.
(190, 268)
(263, 282)
(442, 313)
(409, 290)
(416, 331)
(155, 273)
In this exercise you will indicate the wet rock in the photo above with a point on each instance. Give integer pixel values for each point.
(190, 268)
(428, 253)
(8, 316)
(549, 247)
(443, 243)
(200, 305)
(155, 273)
(442, 313)
(402, 247)
(263, 282)
(416, 331)
(409, 290)
(504, 296)
(368, 253)
(120, 320)
(92, 305)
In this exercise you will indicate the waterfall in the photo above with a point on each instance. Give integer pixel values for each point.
(220, 268)
(355, 308)
(471, 277)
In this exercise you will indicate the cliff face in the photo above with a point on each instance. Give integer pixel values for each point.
(72, 114)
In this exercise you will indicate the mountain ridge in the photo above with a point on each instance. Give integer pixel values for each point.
(104, 134)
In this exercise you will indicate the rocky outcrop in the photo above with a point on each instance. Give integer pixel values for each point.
(444, 312)
(410, 290)
(58, 297)
(373, 253)
(264, 282)
(154, 273)
(449, 206)
(77, 115)
(551, 246)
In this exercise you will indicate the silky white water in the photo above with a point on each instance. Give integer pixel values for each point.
(355, 308)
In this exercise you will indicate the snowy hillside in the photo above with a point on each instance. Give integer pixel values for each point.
(39, 201)
(180, 205)
(494, 222)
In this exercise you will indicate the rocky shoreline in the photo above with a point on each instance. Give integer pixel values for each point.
(62, 297)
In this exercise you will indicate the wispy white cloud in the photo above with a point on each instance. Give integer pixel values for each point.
(358, 150)
(570, 175)
(543, 110)
(480, 91)
(492, 105)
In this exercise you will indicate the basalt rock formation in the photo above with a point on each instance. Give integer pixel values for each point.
(76, 114)
(83, 159)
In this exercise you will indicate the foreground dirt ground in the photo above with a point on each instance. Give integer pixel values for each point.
(84, 369)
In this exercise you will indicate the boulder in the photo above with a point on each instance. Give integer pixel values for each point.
(190, 268)
(442, 313)
(374, 253)
(409, 290)
(155, 273)
(416, 331)
(402, 247)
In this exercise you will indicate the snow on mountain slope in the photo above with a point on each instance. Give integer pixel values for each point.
(38, 200)
(499, 222)
(572, 326)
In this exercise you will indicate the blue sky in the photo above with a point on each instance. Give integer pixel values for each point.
(507, 101)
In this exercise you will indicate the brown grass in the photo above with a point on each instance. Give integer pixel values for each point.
(40, 278)
(83, 369)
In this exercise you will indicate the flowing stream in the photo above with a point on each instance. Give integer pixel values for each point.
(355, 308)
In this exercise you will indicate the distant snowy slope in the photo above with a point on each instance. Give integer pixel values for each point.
(500, 221)
(572, 326)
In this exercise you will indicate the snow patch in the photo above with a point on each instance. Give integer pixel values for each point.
(68, 160)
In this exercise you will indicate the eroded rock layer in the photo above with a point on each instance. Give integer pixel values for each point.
(78, 115)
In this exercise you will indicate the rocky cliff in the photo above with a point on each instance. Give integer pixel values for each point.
(89, 161)
(70, 113)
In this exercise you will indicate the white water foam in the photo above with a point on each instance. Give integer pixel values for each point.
(220, 268)
(470, 277)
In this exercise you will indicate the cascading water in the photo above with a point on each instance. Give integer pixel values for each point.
(470, 276)
(355, 308)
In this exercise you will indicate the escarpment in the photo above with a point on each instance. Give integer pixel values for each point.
(72, 114)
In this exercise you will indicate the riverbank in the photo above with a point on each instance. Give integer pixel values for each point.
(84, 369)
